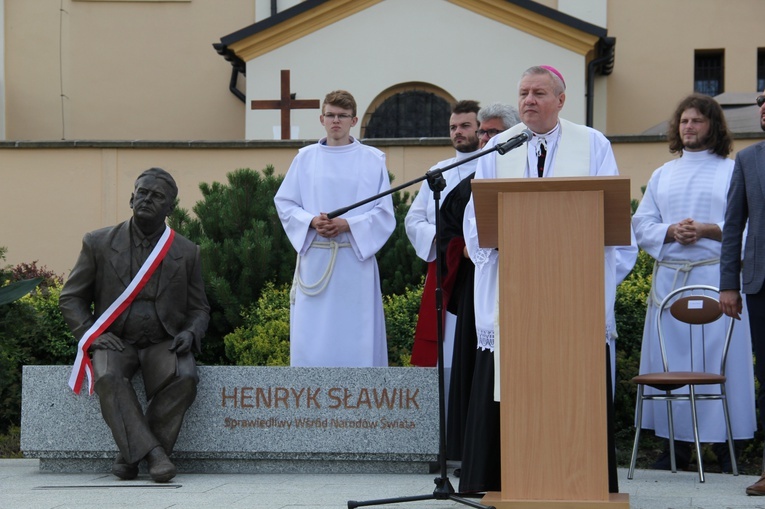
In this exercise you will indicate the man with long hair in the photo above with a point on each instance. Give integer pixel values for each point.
(680, 223)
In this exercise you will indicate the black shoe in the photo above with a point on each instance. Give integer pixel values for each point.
(682, 457)
(123, 469)
(457, 472)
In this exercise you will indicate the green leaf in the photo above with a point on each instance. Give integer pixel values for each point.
(17, 290)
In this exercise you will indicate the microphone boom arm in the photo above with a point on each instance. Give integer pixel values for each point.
(502, 148)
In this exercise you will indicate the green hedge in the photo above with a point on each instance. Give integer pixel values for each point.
(263, 338)
(32, 331)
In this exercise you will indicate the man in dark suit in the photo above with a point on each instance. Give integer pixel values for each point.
(746, 201)
(157, 334)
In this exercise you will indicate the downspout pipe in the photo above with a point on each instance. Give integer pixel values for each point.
(604, 63)
(232, 85)
(237, 67)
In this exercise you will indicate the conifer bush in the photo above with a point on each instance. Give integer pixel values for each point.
(243, 247)
(400, 268)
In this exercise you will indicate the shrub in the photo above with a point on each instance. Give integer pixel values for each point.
(243, 247)
(10, 443)
(400, 321)
(630, 309)
(263, 338)
(32, 331)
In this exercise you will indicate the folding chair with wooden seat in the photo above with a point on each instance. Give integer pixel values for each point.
(697, 306)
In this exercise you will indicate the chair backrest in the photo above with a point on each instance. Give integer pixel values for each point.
(697, 308)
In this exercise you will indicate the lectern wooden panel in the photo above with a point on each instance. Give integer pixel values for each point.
(552, 341)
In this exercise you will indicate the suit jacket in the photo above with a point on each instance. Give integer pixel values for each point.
(746, 201)
(102, 272)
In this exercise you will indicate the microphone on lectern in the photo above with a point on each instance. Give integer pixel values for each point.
(514, 142)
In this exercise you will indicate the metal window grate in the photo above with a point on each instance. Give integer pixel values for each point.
(708, 72)
(411, 114)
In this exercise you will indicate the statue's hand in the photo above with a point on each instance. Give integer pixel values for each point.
(182, 342)
(107, 341)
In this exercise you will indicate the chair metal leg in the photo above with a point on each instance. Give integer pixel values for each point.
(638, 423)
(671, 428)
(694, 417)
(731, 446)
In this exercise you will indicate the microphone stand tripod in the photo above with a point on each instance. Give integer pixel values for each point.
(436, 182)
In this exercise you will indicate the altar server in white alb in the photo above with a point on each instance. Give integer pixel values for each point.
(336, 311)
(679, 222)
(558, 148)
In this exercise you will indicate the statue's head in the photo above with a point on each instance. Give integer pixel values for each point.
(153, 198)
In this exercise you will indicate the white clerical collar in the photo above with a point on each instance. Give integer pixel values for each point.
(550, 137)
(462, 155)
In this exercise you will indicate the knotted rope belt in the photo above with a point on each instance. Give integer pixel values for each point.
(320, 285)
(683, 267)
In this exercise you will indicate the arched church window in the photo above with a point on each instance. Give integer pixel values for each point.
(408, 111)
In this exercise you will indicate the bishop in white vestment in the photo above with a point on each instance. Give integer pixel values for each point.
(558, 149)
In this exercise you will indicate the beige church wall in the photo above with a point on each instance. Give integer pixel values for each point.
(126, 70)
(51, 196)
(638, 160)
(147, 70)
(655, 43)
(378, 48)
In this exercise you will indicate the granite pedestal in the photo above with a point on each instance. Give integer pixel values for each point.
(254, 420)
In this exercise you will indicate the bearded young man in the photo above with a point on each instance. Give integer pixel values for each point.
(420, 223)
(679, 223)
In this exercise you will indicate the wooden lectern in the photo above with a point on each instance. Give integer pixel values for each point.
(551, 233)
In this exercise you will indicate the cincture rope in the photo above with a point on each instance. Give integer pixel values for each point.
(681, 266)
(320, 285)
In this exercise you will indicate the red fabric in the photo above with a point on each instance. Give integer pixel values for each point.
(425, 348)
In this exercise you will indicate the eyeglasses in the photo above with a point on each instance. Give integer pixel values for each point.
(341, 116)
(760, 100)
(491, 132)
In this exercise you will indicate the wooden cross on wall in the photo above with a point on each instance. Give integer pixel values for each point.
(285, 104)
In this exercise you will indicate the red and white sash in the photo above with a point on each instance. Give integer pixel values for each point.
(82, 364)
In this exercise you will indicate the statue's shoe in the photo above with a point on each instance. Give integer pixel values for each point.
(123, 469)
(161, 469)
